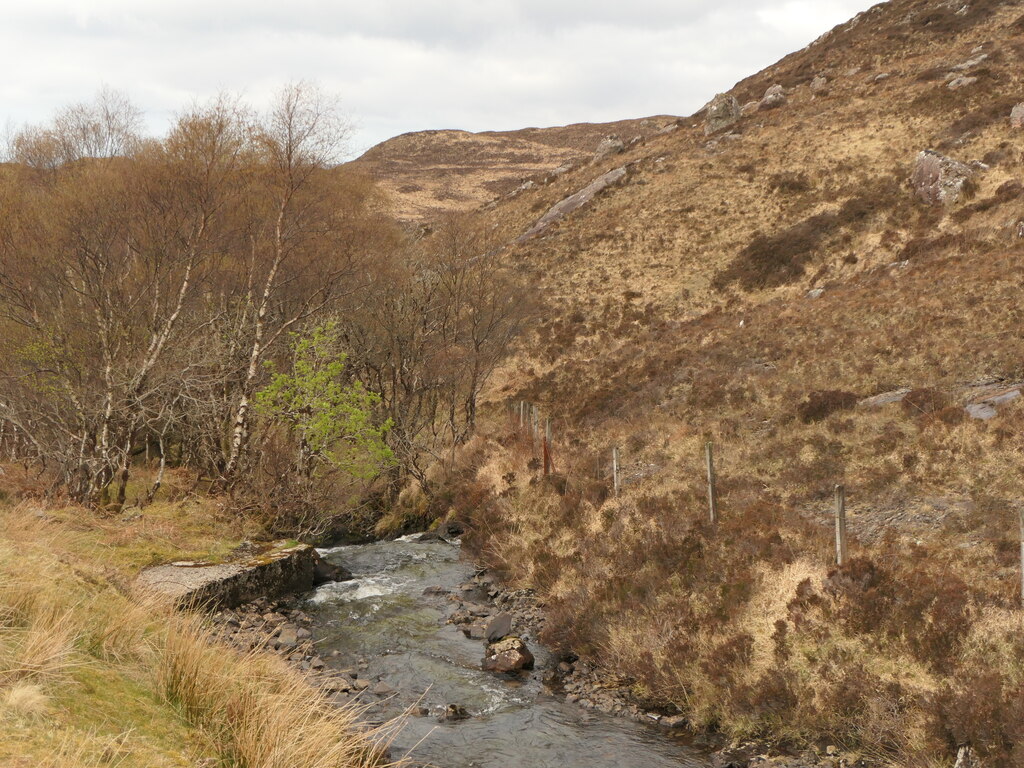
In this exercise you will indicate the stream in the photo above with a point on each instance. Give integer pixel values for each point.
(382, 625)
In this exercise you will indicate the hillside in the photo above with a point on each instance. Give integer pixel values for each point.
(432, 172)
(790, 287)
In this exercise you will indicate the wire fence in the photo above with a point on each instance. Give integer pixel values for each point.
(526, 419)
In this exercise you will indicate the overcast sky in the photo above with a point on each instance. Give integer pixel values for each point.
(403, 65)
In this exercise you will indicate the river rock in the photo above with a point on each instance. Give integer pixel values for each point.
(1017, 116)
(499, 627)
(382, 689)
(508, 655)
(336, 684)
(721, 112)
(454, 713)
(939, 180)
(325, 572)
(287, 639)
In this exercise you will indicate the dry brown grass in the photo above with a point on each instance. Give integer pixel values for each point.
(257, 711)
(90, 675)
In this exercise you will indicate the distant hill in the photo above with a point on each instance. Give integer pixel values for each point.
(429, 172)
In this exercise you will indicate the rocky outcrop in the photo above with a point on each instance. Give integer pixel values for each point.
(965, 758)
(940, 180)
(610, 145)
(282, 568)
(986, 401)
(885, 398)
(961, 82)
(723, 111)
(773, 98)
(819, 84)
(1017, 116)
(508, 655)
(575, 201)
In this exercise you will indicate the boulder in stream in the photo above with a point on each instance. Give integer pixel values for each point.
(454, 712)
(325, 572)
(508, 655)
(499, 627)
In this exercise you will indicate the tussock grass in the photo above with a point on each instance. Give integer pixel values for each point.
(25, 702)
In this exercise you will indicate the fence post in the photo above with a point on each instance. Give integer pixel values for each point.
(709, 455)
(841, 557)
(1020, 519)
(547, 447)
(615, 469)
(522, 414)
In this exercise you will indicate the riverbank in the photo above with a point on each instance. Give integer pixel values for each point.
(114, 680)
(590, 686)
(299, 630)
(90, 674)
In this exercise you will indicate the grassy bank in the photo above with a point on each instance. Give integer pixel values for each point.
(91, 675)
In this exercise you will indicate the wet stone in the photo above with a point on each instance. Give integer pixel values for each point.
(508, 655)
(499, 627)
(454, 713)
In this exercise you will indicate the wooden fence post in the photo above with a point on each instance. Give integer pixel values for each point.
(615, 469)
(712, 491)
(841, 556)
(1020, 520)
(547, 447)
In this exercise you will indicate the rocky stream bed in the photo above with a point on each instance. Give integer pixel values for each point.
(419, 631)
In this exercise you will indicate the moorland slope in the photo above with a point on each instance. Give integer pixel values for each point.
(787, 283)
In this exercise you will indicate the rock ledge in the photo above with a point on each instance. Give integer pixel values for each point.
(281, 568)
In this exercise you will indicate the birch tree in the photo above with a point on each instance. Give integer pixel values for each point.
(299, 256)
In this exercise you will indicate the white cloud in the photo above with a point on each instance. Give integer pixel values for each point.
(403, 65)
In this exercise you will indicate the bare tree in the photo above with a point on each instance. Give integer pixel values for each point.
(427, 335)
(299, 258)
(145, 284)
(103, 258)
